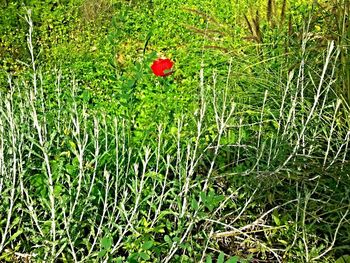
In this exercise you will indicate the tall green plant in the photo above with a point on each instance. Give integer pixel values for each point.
(341, 11)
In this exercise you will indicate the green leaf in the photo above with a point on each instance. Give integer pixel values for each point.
(210, 207)
(194, 203)
(86, 95)
(167, 239)
(57, 190)
(15, 221)
(343, 259)
(102, 253)
(7, 256)
(133, 258)
(233, 260)
(283, 242)
(221, 258)
(275, 218)
(106, 243)
(203, 196)
(72, 145)
(144, 256)
(15, 235)
(208, 259)
(147, 245)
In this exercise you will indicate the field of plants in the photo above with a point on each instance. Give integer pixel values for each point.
(175, 131)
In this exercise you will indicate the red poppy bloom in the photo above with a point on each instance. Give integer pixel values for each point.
(162, 67)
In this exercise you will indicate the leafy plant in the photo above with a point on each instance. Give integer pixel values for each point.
(226, 160)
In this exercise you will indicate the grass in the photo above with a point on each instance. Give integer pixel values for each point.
(231, 159)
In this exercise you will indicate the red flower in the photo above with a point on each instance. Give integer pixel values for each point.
(162, 67)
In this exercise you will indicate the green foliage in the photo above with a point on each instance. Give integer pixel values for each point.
(343, 259)
(211, 200)
(241, 155)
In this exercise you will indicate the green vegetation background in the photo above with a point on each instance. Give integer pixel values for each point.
(241, 155)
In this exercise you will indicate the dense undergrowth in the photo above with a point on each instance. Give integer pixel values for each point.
(241, 155)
